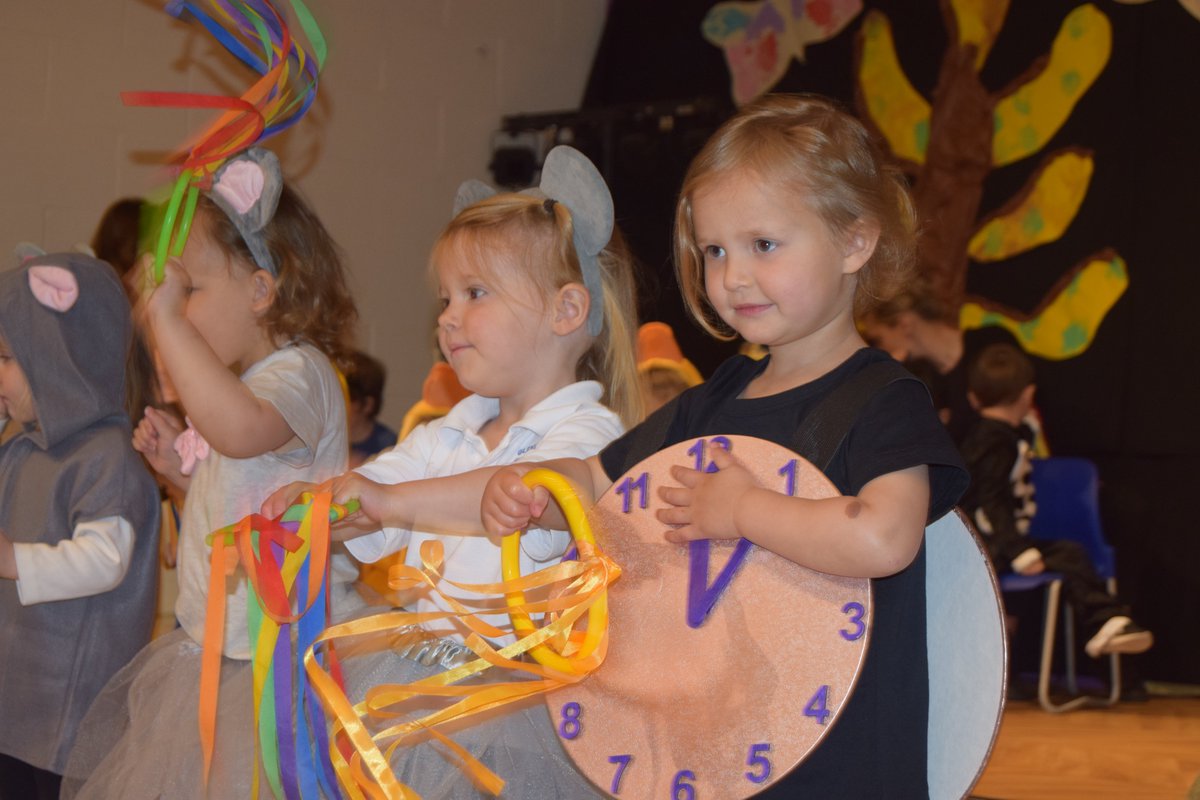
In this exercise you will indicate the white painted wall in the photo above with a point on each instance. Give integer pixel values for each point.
(411, 94)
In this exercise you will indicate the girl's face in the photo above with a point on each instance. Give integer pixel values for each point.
(222, 300)
(492, 328)
(773, 270)
(16, 401)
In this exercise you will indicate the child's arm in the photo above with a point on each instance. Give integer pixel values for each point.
(871, 535)
(509, 505)
(992, 486)
(8, 558)
(437, 504)
(94, 560)
(224, 410)
(432, 504)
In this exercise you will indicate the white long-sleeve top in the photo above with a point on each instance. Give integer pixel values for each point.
(94, 560)
(570, 423)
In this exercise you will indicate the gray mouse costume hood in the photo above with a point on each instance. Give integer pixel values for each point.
(60, 315)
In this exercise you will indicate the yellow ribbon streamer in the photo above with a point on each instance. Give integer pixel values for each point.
(562, 655)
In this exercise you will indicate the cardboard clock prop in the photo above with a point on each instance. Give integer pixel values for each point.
(727, 664)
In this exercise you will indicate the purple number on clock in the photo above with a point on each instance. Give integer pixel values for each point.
(818, 706)
(855, 610)
(788, 471)
(626, 487)
(698, 451)
(681, 789)
(622, 762)
(758, 759)
(570, 726)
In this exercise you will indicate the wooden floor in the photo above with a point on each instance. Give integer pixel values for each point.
(1133, 750)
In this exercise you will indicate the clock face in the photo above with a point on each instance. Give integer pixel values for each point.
(726, 664)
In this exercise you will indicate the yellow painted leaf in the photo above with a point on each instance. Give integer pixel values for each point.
(1046, 211)
(899, 112)
(978, 23)
(1064, 326)
(1030, 115)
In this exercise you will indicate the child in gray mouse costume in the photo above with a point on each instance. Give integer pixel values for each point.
(78, 511)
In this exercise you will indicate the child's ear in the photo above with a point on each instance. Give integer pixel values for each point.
(973, 399)
(571, 305)
(264, 290)
(859, 245)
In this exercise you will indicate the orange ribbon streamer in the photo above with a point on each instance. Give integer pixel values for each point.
(569, 591)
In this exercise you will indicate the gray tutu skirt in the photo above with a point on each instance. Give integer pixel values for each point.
(140, 739)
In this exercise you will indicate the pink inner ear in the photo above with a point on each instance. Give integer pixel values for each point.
(241, 185)
(54, 287)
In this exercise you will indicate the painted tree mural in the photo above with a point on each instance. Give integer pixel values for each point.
(953, 142)
(950, 143)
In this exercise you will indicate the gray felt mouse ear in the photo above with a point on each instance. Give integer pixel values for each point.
(568, 177)
(469, 193)
(247, 188)
(571, 179)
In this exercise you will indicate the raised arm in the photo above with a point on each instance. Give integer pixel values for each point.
(227, 414)
(871, 535)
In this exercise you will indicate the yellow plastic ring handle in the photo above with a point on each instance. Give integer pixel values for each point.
(510, 567)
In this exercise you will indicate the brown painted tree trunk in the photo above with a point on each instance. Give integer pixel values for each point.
(949, 185)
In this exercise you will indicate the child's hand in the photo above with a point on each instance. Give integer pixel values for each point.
(169, 299)
(343, 489)
(154, 437)
(8, 558)
(508, 504)
(705, 506)
(373, 499)
(1029, 562)
(285, 497)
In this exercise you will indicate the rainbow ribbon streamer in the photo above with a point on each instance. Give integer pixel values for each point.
(286, 562)
(258, 35)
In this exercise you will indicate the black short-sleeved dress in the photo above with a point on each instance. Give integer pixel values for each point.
(878, 747)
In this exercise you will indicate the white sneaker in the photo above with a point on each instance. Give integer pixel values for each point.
(1119, 635)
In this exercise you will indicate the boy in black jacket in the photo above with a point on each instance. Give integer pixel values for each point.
(1000, 501)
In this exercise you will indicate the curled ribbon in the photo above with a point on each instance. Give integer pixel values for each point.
(562, 654)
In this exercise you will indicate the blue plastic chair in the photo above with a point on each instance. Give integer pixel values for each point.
(1067, 492)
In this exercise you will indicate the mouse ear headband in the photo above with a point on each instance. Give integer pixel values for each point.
(247, 189)
(568, 177)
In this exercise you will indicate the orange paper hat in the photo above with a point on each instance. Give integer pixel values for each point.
(440, 392)
(657, 349)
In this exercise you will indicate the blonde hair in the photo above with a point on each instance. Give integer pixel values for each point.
(542, 235)
(803, 144)
(312, 301)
